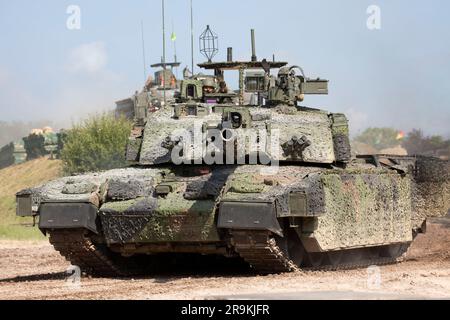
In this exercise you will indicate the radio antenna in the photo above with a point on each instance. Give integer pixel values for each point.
(143, 51)
(164, 51)
(192, 38)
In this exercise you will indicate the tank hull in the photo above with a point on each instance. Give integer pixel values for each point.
(295, 216)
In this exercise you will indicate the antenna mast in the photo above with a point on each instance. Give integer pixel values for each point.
(164, 51)
(143, 50)
(192, 38)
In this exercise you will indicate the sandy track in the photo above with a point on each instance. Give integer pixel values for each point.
(33, 270)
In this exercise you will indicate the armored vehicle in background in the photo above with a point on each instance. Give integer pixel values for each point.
(39, 143)
(12, 153)
(157, 91)
(268, 181)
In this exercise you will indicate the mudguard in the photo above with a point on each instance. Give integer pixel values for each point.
(68, 216)
(248, 216)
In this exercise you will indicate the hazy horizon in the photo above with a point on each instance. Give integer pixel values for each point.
(392, 77)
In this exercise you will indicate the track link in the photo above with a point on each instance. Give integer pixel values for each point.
(261, 251)
(79, 250)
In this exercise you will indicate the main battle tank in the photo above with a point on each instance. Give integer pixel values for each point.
(248, 174)
(157, 91)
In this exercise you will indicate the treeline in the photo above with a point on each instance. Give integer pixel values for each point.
(414, 142)
(417, 143)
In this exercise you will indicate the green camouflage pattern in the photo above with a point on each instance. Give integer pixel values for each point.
(360, 206)
(314, 125)
(365, 209)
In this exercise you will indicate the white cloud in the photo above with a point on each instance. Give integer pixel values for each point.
(88, 58)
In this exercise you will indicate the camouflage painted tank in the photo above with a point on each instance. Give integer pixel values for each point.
(248, 174)
(157, 91)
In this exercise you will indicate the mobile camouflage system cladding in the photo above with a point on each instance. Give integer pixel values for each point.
(365, 209)
(359, 206)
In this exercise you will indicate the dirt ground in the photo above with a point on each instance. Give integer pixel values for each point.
(33, 270)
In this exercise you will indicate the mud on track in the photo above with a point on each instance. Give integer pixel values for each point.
(33, 270)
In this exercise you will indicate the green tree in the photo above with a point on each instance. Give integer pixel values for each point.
(379, 138)
(97, 143)
(417, 143)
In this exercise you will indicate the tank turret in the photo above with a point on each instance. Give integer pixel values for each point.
(210, 121)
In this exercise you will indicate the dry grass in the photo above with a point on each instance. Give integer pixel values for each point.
(14, 179)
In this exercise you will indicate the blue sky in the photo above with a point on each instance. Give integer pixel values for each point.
(397, 76)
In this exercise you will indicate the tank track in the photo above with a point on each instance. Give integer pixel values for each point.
(258, 248)
(261, 251)
(92, 258)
